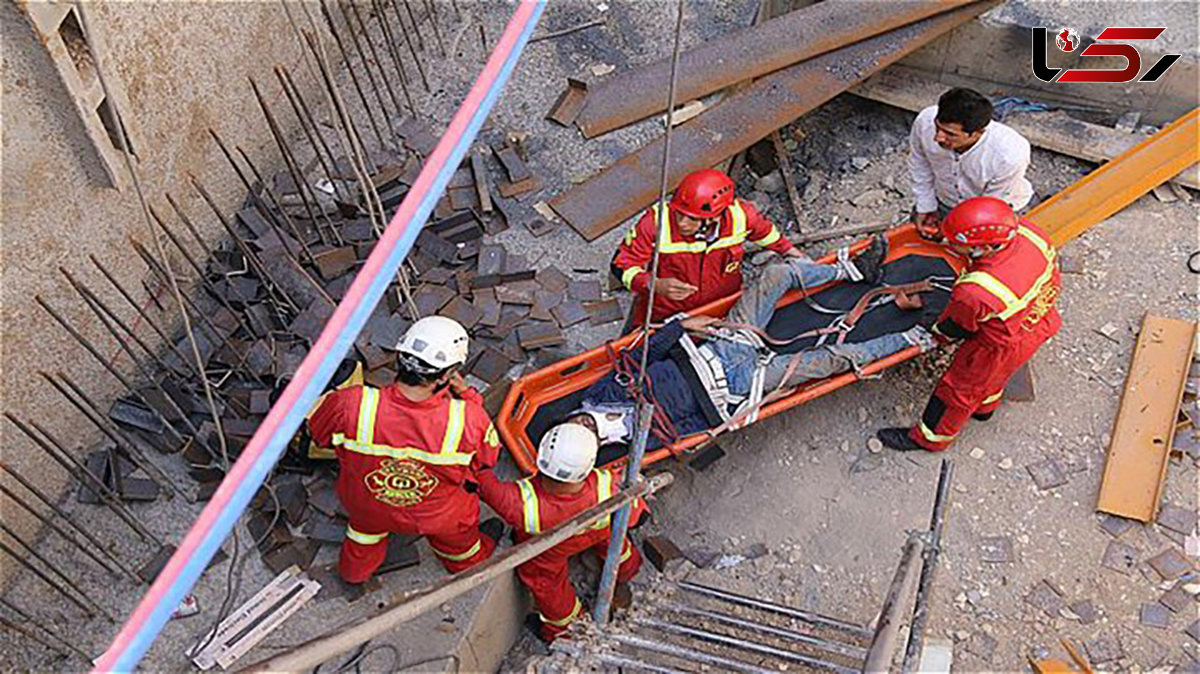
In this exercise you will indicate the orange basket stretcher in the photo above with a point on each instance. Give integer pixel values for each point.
(529, 393)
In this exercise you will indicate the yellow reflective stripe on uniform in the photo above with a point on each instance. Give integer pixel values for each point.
(738, 234)
(363, 539)
(931, 436)
(630, 274)
(454, 426)
(770, 238)
(455, 459)
(993, 398)
(491, 436)
(529, 507)
(367, 409)
(471, 552)
(564, 621)
(1013, 304)
(665, 244)
(604, 491)
(626, 552)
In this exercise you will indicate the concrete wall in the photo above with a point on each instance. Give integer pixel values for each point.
(184, 67)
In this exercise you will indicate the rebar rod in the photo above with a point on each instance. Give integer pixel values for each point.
(689, 654)
(66, 517)
(883, 644)
(90, 348)
(393, 51)
(387, 82)
(311, 133)
(849, 650)
(145, 315)
(303, 189)
(268, 216)
(743, 644)
(431, 9)
(751, 602)
(416, 26)
(276, 201)
(77, 470)
(32, 568)
(28, 620)
(337, 39)
(932, 550)
(312, 121)
(362, 59)
(45, 519)
(88, 299)
(92, 411)
(409, 43)
(574, 650)
(47, 564)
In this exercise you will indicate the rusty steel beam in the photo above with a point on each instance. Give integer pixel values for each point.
(1121, 181)
(739, 121)
(722, 62)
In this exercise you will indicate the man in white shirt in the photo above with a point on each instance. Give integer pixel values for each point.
(958, 152)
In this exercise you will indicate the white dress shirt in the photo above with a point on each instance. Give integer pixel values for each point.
(993, 167)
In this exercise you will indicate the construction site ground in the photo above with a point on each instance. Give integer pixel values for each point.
(830, 515)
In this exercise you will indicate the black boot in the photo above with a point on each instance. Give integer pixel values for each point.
(897, 438)
(983, 416)
(870, 261)
(493, 528)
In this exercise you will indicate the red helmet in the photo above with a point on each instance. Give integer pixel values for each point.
(980, 221)
(703, 194)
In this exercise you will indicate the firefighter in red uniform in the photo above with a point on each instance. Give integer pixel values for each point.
(409, 452)
(566, 484)
(700, 247)
(1003, 309)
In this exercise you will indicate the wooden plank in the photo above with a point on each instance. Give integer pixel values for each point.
(1142, 434)
(910, 89)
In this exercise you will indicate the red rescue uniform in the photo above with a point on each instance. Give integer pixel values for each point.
(530, 510)
(1004, 309)
(404, 468)
(714, 266)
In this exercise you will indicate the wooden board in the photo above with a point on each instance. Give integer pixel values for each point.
(1142, 434)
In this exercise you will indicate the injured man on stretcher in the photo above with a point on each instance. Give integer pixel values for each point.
(705, 372)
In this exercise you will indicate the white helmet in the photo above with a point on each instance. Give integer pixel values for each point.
(567, 452)
(433, 344)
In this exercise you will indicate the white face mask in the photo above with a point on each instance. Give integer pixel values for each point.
(610, 426)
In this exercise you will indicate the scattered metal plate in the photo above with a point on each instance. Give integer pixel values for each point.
(1115, 526)
(1177, 599)
(334, 262)
(1193, 631)
(1020, 388)
(1170, 564)
(430, 299)
(1119, 557)
(606, 311)
(479, 173)
(1084, 609)
(540, 227)
(1104, 648)
(1045, 597)
(1177, 519)
(553, 279)
(491, 259)
(515, 293)
(463, 198)
(1154, 614)
(436, 247)
(491, 366)
(150, 570)
(511, 190)
(513, 165)
(260, 401)
(325, 530)
(1047, 474)
(459, 228)
(569, 103)
(493, 397)
(135, 415)
(569, 313)
(463, 311)
(982, 645)
(584, 291)
(401, 554)
(539, 335)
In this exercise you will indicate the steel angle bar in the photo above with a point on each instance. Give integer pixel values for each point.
(742, 644)
(726, 619)
(740, 120)
(770, 607)
(726, 60)
(1118, 183)
(883, 644)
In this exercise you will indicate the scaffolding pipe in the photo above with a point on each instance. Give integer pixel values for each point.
(751, 602)
(849, 650)
(743, 644)
(330, 645)
(925, 585)
(690, 654)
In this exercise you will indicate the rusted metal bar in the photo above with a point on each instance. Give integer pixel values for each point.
(75, 469)
(362, 59)
(106, 317)
(312, 121)
(393, 51)
(47, 564)
(90, 348)
(933, 548)
(145, 315)
(309, 126)
(718, 663)
(770, 607)
(848, 650)
(1119, 182)
(883, 643)
(258, 203)
(413, 20)
(307, 195)
(58, 587)
(739, 121)
(92, 411)
(431, 9)
(243, 318)
(66, 517)
(64, 534)
(409, 43)
(387, 81)
(27, 620)
(743, 644)
(747, 53)
(251, 257)
(337, 39)
(276, 202)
